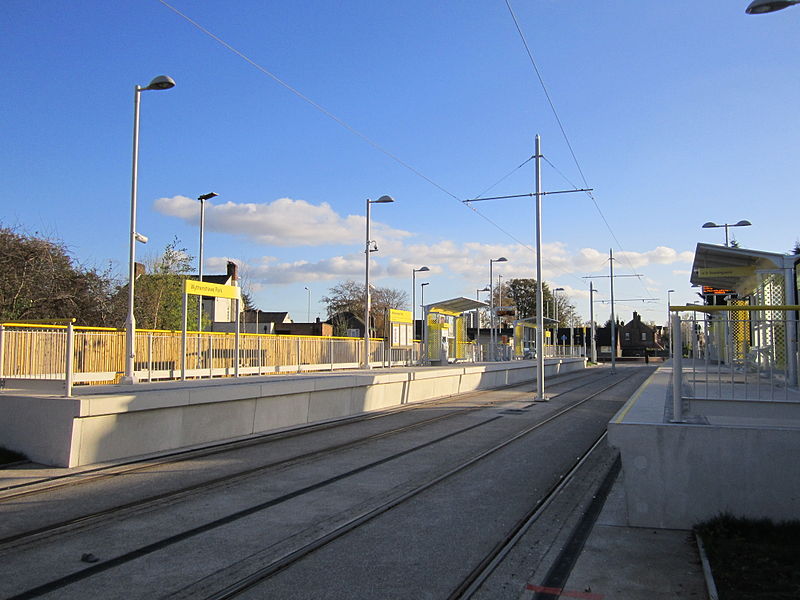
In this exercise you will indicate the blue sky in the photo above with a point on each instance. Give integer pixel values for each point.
(678, 113)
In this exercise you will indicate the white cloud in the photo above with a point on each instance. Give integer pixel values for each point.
(469, 261)
(284, 222)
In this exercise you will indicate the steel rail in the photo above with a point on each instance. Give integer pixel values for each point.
(143, 464)
(233, 590)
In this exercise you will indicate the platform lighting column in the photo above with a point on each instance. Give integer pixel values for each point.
(558, 321)
(370, 246)
(742, 223)
(669, 320)
(414, 299)
(593, 349)
(492, 332)
(539, 290)
(424, 320)
(478, 315)
(758, 7)
(308, 311)
(162, 82)
(613, 318)
(202, 200)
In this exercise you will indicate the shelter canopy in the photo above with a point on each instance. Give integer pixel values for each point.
(455, 306)
(732, 268)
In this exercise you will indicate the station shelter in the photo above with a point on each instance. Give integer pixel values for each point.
(764, 285)
(445, 330)
(525, 336)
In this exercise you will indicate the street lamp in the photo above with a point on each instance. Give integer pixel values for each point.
(669, 318)
(424, 324)
(202, 200)
(492, 335)
(370, 246)
(759, 7)
(414, 295)
(555, 312)
(478, 314)
(162, 82)
(742, 223)
(308, 313)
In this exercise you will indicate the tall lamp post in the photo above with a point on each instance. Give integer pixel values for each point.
(555, 312)
(742, 223)
(478, 315)
(308, 312)
(492, 333)
(414, 294)
(162, 82)
(202, 200)
(414, 299)
(759, 7)
(370, 246)
(669, 318)
(424, 324)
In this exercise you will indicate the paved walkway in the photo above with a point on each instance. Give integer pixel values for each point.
(620, 562)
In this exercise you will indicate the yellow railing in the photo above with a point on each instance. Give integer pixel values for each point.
(38, 351)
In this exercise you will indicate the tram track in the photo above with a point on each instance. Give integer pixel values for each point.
(98, 517)
(293, 557)
(91, 475)
(246, 583)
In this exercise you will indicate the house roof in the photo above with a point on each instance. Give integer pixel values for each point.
(732, 268)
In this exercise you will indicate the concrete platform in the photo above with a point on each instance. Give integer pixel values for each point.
(105, 423)
(634, 563)
(733, 456)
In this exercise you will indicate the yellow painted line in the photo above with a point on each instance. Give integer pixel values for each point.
(629, 405)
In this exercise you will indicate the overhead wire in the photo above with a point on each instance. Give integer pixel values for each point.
(355, 131)
(384, 150)
(563, 131)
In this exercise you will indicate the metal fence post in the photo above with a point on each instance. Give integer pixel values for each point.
(2, 340)
(677, 370)
(298, 355)
(150, 356)
(69, 360)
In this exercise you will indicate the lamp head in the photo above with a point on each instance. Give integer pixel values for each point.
(708, 224)
(162, 82)
(382, 200)
(208, 196)
(486, 289)
(424, 284)
(501, 259)
(759, 7)
(421, 269)
(743, 223)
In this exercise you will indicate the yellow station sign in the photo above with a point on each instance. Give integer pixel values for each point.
(204, 288)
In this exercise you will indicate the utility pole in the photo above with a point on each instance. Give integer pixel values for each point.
(539, 293)
(613, 316)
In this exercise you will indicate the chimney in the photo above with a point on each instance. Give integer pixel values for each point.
(233, 271)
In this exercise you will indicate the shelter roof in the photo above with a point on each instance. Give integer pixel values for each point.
(456, 305)
(732, 268)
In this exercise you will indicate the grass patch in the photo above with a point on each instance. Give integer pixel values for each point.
(753, 559)
(9, 456)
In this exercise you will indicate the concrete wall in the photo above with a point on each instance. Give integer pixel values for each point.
(734, 457)
(100, 425)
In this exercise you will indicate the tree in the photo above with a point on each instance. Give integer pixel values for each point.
(522, 294)
(349, 296)
(796, 249)
(40, 280)
(158, 297)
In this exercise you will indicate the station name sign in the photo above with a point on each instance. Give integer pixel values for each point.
(204, 288)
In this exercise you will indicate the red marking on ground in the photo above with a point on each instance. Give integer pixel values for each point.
(566, 593)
